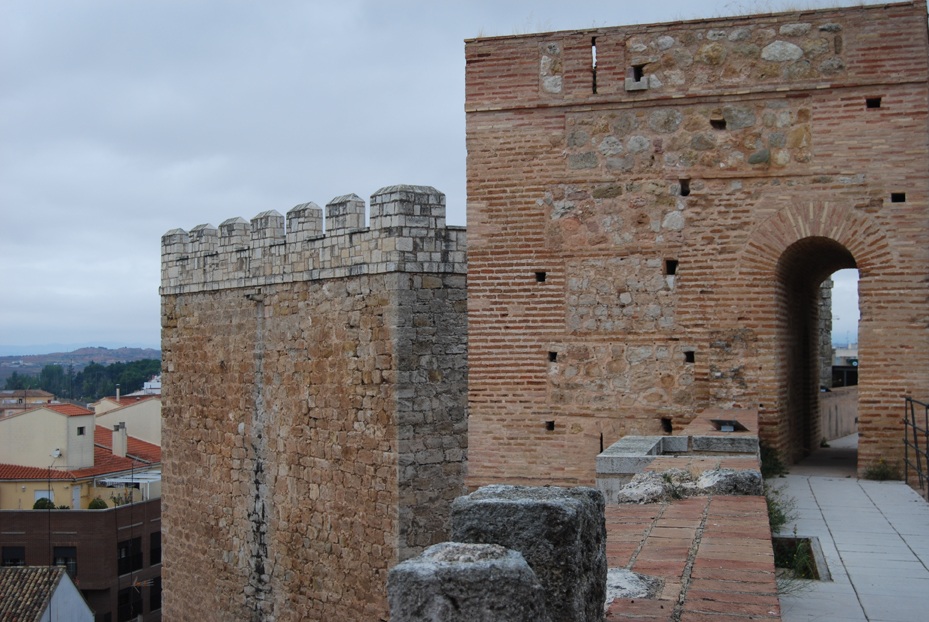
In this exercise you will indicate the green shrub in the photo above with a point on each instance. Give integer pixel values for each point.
(780, 508)
(43, 504)
(97, 504)
(771, 463)
(881, 471)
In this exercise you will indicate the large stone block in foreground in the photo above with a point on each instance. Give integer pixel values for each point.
(456, 582)
(560, 531)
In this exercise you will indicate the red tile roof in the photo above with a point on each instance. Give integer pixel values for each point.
(127, 400)
(26, 591)
(137, 448)
(140, 455)
(68, 410)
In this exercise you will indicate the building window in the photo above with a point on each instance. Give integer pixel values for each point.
(129, 604)
(67, 556)
(155, 557)
(154, 599)
(44, 493)
(14, 556)
(80, 430)
(129, 555)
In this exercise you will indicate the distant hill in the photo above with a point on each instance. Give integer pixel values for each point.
(32, 364)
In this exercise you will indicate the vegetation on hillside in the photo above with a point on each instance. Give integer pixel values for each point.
(89, 384)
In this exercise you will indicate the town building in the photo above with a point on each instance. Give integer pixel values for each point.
(15, 401)
(113, 554)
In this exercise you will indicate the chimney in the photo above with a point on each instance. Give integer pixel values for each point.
(120, 439)
(117, 394)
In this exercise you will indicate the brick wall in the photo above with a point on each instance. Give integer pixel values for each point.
(647, 237)
(314, 405)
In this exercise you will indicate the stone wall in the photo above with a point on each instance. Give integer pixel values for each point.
(652, 209)
(315, 430)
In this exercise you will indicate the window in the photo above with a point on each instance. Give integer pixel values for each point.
(129, 555)
(45, 493)
(80, 430)
(67, 556)
(154, 599)
(155, 557)
(129, 605)
(14, 556)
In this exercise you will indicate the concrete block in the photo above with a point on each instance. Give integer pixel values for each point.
(726, 444)
(674, 444)
(462, 582)
(561, 532)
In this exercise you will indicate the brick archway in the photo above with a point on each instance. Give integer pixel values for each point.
(786, 259)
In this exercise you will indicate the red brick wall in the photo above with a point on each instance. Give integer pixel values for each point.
(586, 187)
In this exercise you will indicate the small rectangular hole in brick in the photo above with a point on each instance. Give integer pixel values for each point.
(666, 426)
(872, 102)
(718, 124)
(638, 72)
(549, 425)
(670, 267)
(690, 356)
(540, 277)
(552, 357)
(898, 197)
(593, 63)
(685, 187)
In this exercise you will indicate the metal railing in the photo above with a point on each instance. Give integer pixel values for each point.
(916, 443)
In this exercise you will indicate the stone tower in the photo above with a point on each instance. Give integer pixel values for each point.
(314, 399)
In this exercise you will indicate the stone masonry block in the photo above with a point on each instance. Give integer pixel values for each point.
(561, 532)
(408, 206)
(457, 582)
(345, 213)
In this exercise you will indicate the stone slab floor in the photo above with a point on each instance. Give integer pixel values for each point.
(874, 536)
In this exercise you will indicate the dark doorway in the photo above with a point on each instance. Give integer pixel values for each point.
(801, 270)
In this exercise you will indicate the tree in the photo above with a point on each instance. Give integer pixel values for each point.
(19, 382)
(52, 379)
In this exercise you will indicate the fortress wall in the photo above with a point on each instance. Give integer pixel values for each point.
(684, 199)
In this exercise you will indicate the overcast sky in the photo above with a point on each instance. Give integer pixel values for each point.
(123, 119)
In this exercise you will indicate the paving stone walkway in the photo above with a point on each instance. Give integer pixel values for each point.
(875, 539)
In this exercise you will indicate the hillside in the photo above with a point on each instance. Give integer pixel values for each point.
(32, 364)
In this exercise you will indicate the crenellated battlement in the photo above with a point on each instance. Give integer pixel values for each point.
(407, 233)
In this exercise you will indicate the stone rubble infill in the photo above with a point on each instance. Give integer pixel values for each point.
(652, 486)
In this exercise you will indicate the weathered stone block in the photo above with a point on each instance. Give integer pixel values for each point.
(455, 581)
(561, 532)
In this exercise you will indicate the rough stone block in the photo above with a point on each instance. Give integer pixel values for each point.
(455, 581)
(560, 531)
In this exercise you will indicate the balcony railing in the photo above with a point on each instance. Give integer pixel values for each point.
(916, 443)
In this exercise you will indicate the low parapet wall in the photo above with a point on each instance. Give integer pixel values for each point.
(838, 410)
(407, 233)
